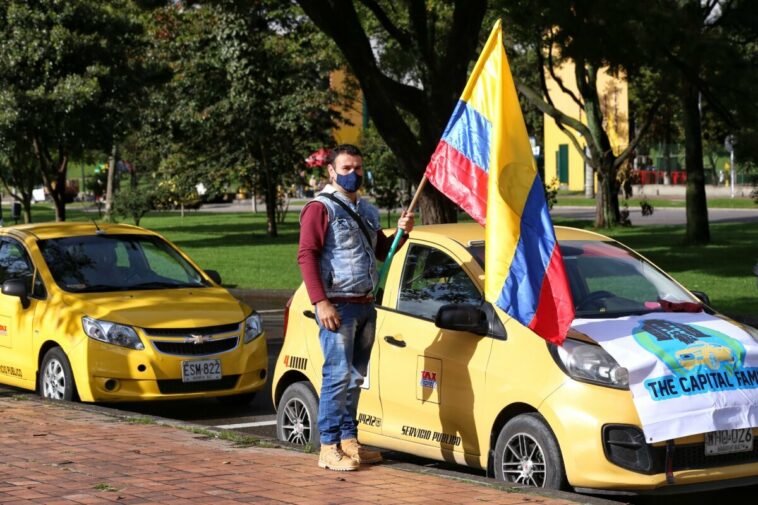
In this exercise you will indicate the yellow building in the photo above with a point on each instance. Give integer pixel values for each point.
(562, 160)
(348, 132)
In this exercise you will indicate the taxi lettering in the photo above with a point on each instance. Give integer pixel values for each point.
(428, 379)
(436, 436)
(369, 420)
(10, 370)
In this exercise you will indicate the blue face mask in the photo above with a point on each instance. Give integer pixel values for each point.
(350, 182)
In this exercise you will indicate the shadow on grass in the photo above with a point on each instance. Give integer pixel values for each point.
(731, 253)
(235, 240)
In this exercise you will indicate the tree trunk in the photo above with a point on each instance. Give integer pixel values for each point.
(607, 212)
(270, 195)
(53, 175)
(698, 231)
(59, 193)
(109, 185)
(435, 207)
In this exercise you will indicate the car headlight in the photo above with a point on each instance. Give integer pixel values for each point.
(112, 333)
(253, 327)
(591, 363)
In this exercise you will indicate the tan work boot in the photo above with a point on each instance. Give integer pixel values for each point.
(332, 458)
(358, 453)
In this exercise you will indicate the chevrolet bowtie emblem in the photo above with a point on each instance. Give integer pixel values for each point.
(197, 339)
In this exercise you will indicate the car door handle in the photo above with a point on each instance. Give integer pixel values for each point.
(393, 341)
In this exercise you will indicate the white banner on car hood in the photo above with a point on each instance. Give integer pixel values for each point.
(689, 373)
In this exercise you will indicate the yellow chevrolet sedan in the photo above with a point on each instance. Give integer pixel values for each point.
(107, 313)
(455, 379)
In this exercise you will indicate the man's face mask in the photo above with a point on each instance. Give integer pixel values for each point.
(350, 182)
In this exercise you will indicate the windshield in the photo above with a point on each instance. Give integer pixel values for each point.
(100, 263)
(609, 280)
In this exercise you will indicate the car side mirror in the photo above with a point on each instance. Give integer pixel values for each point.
(462, 317)
(702, 297)
(17, 287)
(214, 275)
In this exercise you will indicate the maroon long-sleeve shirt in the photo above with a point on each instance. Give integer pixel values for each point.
(314, 223)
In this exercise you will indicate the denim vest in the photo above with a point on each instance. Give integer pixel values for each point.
(348, 261)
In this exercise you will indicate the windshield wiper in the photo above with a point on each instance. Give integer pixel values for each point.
(99, 288)
(161, 285)
(613, 314)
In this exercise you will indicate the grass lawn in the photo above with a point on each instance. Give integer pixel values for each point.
(236, 245)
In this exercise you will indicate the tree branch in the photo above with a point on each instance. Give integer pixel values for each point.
(408, 97)
(396, 33)
(551, 68)
(339, 20)
(649, 116)
(417, 15)
(561, 119)
(691, 75)
(462, 41)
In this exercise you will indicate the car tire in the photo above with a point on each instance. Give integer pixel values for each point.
(527, 453)
(296, 416)
(56, 382)
(239, 400)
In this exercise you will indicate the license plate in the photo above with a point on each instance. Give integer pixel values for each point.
(728, 441)
(201, 370)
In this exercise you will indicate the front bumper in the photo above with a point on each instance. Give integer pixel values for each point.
(592, 425)
(109, 373)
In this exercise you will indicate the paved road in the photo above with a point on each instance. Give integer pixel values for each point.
(663, 215)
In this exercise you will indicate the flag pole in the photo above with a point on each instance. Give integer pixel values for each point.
(398, 236)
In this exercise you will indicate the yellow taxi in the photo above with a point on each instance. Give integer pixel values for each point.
(453, 378)
(108, 313)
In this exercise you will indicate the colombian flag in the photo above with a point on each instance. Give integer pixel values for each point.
(484, 163)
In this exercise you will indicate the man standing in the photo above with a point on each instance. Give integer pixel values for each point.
(340, 240)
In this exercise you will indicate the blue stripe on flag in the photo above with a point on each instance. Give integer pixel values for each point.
(521, 290)
(468, 132)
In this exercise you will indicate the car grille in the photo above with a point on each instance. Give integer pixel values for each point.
(180, 348)
(175, 386)
(692, 456)
(185, 332)
(625, 446)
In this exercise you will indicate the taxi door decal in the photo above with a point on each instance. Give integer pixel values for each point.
(5, 337)
(428, 379)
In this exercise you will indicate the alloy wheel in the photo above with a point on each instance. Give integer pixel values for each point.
(297, 422)
(523, 461)
(54, 380)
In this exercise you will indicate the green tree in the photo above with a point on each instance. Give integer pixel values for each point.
(67, 71)
(709, 57)
(590, 35)
(245, 102)
(134, 203)
(19, 175)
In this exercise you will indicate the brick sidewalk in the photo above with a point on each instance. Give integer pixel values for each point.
(59, 453)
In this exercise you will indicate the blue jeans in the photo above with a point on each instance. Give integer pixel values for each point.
(346, 355)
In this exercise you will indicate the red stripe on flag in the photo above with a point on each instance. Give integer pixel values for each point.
(555, 309)
(459, 179)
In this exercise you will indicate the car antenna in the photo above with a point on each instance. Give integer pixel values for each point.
(98, 231)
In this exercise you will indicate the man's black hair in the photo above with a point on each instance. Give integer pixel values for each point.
(342, 149)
